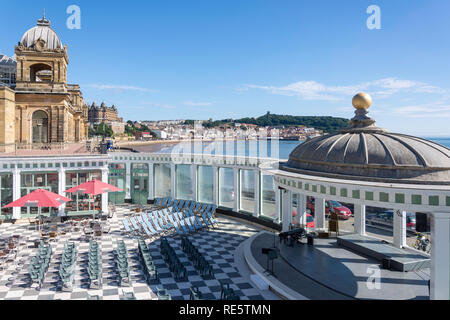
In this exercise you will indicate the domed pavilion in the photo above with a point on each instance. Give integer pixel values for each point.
(366, 165)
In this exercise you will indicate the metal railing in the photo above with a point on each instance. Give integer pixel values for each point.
(57, 148)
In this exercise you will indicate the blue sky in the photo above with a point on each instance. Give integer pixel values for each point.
(201, 59)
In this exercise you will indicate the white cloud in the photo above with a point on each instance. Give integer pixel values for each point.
(313, 90)
(424, 111)
(197, 104)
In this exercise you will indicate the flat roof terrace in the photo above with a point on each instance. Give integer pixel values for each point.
(50, 150)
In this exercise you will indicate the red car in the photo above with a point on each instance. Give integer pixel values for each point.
(309, 220)
(331, 206)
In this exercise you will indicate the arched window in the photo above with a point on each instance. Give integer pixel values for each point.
(41, 73)
(40, 127)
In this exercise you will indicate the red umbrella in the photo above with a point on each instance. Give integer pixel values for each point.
(93, 188)
(39, 199)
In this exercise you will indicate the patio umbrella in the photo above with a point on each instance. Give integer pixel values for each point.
(39, 199)
(94, 188)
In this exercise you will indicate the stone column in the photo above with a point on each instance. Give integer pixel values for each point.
(61, 189)
(16, 193)
(257, 194)
(128, 180)
(105, 207)
(286, 210)
(319, 214)
(360, 219)
(440, 256)
(151, 191)
(237, 190)
(399, 228)
(216, 186)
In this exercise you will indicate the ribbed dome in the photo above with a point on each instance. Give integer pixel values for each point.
(367, 152)
(42, 31)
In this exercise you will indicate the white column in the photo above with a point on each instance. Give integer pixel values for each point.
(194, 174)
(172, 180)
(16, 193)
(151, 191)
(128, 181)
(319, 214)
(440, 256)
(360, 219)
(399, 228)
(286, 210)
(301, 198)
(257, 194)
(105, 208)
(278, 205)
(237, 190)
(216, 186)
(61, 189)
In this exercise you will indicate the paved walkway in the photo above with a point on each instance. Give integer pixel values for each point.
(218, 246)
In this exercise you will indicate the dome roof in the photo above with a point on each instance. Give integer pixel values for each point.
(369, 153)
(42, 31)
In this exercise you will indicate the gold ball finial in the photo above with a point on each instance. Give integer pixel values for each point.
(362, 101)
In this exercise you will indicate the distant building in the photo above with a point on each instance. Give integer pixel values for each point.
(107, 115)
(8, 67)
(143, 135)
(161, 134)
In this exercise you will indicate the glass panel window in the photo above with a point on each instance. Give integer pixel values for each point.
(226, 188)
(247, 190)
(6, 193)
(184, 182)
(33, 181)
(162, 183)
(82, 202)
(268, 206)
(205, 184)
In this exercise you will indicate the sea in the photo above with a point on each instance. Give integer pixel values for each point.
(277, 149)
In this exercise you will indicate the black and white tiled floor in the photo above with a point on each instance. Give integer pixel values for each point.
(217, 245)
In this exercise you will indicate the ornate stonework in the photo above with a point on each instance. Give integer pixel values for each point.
(47, 109)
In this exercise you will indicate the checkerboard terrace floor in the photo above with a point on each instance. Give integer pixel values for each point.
(217, 245)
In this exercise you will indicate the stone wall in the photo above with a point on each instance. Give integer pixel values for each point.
(7, 121)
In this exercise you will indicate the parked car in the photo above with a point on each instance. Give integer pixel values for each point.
(386, 219)
(309, 220)
(331, 206)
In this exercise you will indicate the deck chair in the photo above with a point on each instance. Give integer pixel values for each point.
(197, 207)
(127, 226)
(211, 218)
(187, 204)
(157, 226)
(135, 224)
(206, 221)
(158, 202)
(149, 225)
(187, 221)
(197, 224)
(184, 226)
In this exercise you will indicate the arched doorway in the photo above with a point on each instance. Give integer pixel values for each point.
(40, 127)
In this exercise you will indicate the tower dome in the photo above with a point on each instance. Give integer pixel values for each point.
(43, 32)
(367, 152)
